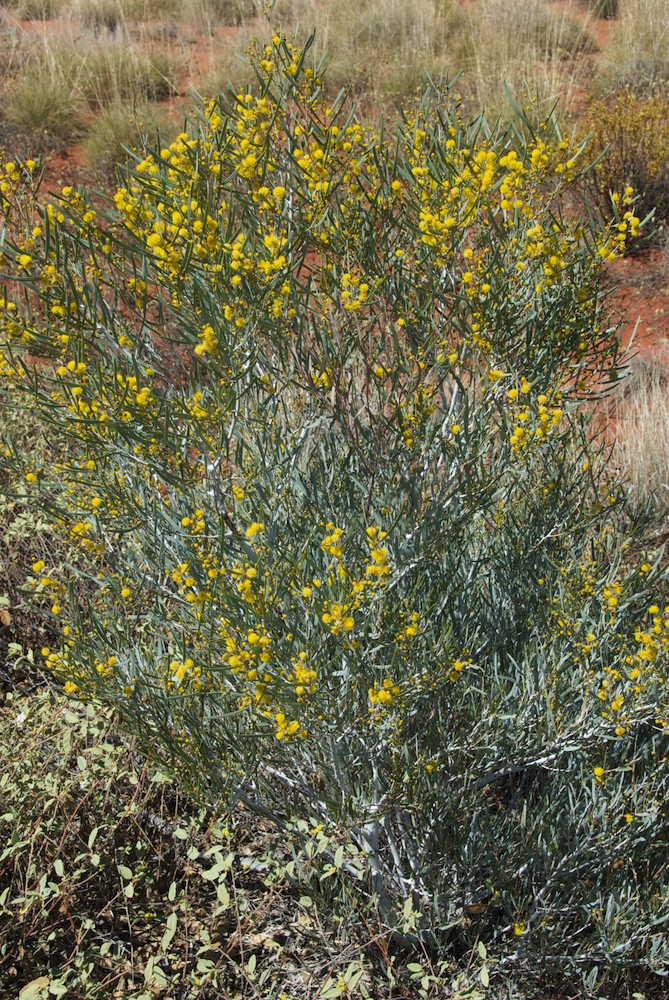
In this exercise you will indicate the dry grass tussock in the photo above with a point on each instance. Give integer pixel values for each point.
(53, 84)
(387, 49)
(637, 56)
(640, 413)
(526, 44)
(103, 53)
(119, 129)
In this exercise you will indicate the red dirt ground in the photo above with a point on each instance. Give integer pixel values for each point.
(642, 300)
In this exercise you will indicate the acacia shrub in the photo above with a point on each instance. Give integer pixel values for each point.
(355, 557)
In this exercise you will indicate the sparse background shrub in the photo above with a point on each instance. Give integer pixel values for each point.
(356, 561)
(631, 135)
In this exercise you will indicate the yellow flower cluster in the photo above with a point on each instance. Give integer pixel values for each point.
(243, 263)
(338, 617)
(533, 418)
(634, 685)
(410, 630)
(640, 678)
(384, 694)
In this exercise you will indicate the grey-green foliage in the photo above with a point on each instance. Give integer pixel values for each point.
(250, 433)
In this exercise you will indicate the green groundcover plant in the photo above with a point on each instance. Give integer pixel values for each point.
(347, 551)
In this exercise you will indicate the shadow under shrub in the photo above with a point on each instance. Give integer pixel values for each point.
(357, 558)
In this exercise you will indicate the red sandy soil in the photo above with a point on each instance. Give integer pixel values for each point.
(642, 300)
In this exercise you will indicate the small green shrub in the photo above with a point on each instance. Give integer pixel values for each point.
(122, 73)
(116, 130)
(40, 105)
(356, 556)
(631, 134)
